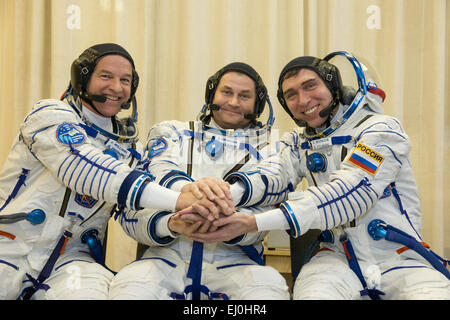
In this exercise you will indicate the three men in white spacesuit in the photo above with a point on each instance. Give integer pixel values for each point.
(226, 137)
(361, 194)
(71, 167)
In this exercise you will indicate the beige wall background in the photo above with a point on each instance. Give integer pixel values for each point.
(178, 44)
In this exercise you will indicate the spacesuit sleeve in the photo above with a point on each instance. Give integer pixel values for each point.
(380, 150)
(165, 153)
(142, 226)
(273, 178)
(55, 135)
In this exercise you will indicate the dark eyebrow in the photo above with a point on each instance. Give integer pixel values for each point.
(302, 84)
(229, 88)
(287, 91)
(128, 75)
(308, 81)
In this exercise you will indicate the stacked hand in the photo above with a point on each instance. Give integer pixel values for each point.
(211, 216)
(203, 201)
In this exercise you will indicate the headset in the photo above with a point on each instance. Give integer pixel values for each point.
(331, 76)
(83, 68)
(261, 93)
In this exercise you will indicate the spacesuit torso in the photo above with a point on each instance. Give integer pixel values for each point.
(62, 166)
(358, 173)
(176, 148)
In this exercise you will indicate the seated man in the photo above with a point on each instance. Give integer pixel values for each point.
(227, 137)
(361, 193)
(71, 165)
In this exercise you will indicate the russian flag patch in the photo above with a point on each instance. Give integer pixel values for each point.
(366, 159)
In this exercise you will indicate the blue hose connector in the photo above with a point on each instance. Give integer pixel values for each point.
(377, 229)
(37, 216)
(316, 162)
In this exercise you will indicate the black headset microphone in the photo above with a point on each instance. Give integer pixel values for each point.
(327, 111)
(95, 97)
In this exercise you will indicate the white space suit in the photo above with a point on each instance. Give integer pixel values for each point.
(174, 266)
(362, 172)
(59, 164)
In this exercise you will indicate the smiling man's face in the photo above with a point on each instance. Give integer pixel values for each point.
(236, 96)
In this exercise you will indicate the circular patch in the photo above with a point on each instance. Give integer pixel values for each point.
(68, 134)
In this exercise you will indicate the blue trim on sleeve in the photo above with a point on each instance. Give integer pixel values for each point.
(151, 229)
(290, 217)
(173, 176)
(248, 186)
(126, 186)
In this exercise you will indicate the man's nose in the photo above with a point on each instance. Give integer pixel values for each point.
(234, 100)
(303, 99)
(116, 85)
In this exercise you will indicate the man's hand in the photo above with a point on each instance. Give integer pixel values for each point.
(187, 227)
(206, 208)
(228, 228)
(211, 187)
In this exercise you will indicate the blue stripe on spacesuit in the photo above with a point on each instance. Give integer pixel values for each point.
(79, 175)
(364, 189)
(195, 269)
(9, 264)
(402, 210)
(320, 200)
(338, 181)
(169, 263)
(292, 220)
(248, 186)
(330, 203)
(76, 215)
(109, 175)
(101, 177)
(87, 176)
(77, 153)
(195, 135)
(343, 204)
(62, 164)
(73, 171)
(233, 265)
(169, 162)
(267, 171)
(127, 222)
(67, 168)
(89, 161)
(126, 186)
(393, 153)
(135, 190)
(151, 228)
(173, 176)
(93, 179)
(33, 140)
(89, 130)
(350, 192)
(366, 131)
(337, 207)
(264, 196)
(70, 261)
(404, 267)
(40, 108)
(19, 184)
(104, 185)
(280, 193)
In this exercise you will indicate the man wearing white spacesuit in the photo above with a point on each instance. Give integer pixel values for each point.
(361, 194)
(226, 137)
(70, 168)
